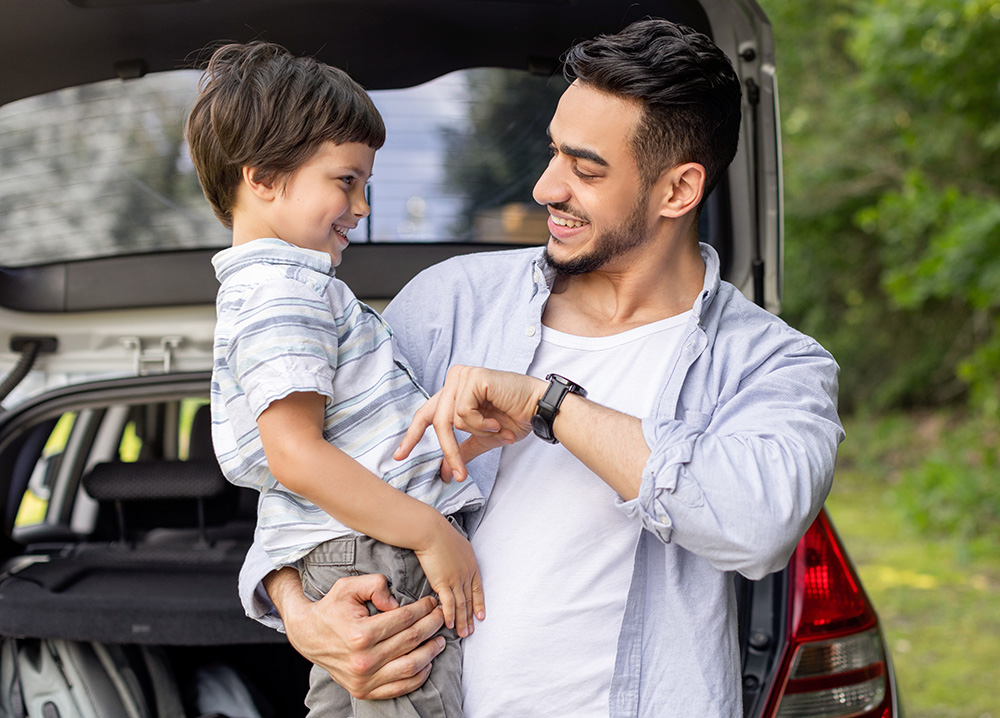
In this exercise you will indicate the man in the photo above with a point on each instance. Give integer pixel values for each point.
(705, 445)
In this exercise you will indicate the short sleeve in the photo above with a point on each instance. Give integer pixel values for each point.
(284, 340)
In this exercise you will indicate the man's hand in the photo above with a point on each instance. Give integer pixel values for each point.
(374, 657)
(495, 407)
(472, 447)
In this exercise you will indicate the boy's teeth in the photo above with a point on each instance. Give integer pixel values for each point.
(572, 223)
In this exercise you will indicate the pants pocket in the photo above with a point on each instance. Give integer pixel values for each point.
(324, 565)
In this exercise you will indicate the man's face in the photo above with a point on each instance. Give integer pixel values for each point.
(598, 205)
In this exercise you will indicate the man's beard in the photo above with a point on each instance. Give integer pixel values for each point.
(614, 243)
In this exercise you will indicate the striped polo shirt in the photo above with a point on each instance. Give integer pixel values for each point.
(286, 324)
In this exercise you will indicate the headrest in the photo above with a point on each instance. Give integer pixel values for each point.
(154, 480)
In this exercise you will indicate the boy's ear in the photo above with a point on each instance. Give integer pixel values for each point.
(681, 189)
(263, 189)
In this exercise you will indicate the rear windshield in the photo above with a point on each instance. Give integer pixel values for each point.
(103, 170)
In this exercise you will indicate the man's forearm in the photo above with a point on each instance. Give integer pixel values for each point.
(607, 442)
(285, 589)
(479, 401)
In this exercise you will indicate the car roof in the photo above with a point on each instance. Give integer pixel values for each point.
(60, 43)
(46, 45)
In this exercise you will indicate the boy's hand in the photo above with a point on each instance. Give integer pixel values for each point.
(452, 571)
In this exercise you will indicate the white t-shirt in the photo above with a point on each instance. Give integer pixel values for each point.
(555, 553)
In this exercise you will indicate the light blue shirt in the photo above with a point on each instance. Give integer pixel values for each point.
(743, 441)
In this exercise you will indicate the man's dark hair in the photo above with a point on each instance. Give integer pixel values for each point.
(259, 106)
(686, 85)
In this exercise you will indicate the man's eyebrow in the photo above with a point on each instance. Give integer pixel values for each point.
(580, 152)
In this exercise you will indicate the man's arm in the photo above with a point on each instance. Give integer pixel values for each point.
(608, 442)
(740, 484)
(477, 401)
(372, 657)
(739, 489)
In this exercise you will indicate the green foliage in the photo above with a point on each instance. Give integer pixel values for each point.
(954, 491)
(939, 470)
(938, 598)
(952, 496)
(891, 125)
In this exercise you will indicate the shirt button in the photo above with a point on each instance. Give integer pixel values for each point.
(538, 277)
(530, 331)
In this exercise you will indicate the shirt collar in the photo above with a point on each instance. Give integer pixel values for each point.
(270, 250)
(712, 281)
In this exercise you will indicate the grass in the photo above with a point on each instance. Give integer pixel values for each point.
(938, 595)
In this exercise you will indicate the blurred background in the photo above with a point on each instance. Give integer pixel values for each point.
(891, 128)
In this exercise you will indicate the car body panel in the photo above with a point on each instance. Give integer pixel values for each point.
(126, 335)
(92, 40)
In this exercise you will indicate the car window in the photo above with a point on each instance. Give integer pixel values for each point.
(35, 500)
(103, 169)
(124, 433)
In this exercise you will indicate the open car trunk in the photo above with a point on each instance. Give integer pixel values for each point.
(115, 291)
(147, 550)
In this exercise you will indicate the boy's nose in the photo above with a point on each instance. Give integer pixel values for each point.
(360, 206)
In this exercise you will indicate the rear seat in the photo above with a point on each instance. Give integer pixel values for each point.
(165, 570)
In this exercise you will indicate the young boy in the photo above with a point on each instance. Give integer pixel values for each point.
(308, 398)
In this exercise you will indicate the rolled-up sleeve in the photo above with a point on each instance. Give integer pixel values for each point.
(740, 485)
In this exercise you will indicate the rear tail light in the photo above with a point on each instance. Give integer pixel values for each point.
(835, 665)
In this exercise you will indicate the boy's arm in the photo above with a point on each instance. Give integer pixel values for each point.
(301, 459)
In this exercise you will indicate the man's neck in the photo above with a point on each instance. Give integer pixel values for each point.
(639, 290)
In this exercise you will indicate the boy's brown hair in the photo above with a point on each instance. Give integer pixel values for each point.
(260, 106)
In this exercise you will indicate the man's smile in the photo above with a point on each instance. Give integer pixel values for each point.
(567, 222)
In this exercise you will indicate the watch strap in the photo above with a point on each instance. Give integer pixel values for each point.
(548, 405)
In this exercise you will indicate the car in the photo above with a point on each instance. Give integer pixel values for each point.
(116, 525)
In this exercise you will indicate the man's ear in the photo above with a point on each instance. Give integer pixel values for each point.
(681, 189)
(262, 189)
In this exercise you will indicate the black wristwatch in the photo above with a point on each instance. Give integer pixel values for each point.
(548, 405)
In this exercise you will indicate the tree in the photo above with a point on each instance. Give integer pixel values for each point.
(891, 121)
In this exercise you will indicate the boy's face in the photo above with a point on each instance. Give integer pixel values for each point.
(324, 198)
